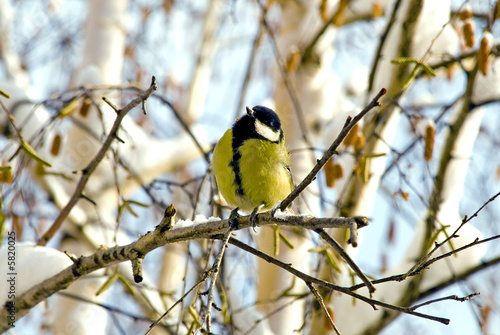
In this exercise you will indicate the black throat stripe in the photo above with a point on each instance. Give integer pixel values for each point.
(235, 162)
(235, 165)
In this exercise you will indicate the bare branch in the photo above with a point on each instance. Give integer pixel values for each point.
(331, 150)
(202, 280)
(214, 273)
(321, 302)
(184, 125)
(162, 235)
(313, 280)
(450, 297)
(94, 163)
(292, 92)
(324, 235)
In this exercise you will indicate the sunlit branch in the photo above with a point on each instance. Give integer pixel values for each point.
(87, 171)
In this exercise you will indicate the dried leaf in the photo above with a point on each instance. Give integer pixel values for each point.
(126, 284)
(69, 108)
(359, 143)
(293, 60)
(286, 241)
(6, 175)
(351, 136)
(130, 51)
(276, 244)
(4, 94)
(330, 179)
(28, 149)
(107, 284)
(338, 171)
(145, 12)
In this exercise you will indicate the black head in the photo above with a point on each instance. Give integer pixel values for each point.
(261, 123)
(265, 115)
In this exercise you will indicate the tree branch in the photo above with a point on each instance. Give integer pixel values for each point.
(162, 235)
(321, 232)
(313, 280)
(331, 150)
(86, 172)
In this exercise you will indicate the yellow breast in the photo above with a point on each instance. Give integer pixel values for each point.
(264, 176)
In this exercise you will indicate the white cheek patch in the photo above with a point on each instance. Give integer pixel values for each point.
(267, 132)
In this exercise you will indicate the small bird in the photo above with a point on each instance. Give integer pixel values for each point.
(251, 164)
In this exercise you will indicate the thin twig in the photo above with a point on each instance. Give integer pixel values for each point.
(163, 234)
(184, 125)
(457, 277)
(202, 280)
(331, 150)
(321, 302)
(450, 297)
(383, 38)
(423, 262)
(274, 312)
(105, 306)
(324, 235)
(214, 273)
(248, 73)
(307, 278)
(292, 92)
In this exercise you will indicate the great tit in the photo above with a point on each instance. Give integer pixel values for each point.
(251, 164)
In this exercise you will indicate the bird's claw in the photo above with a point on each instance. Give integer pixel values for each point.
(254, 219)
(233, 219)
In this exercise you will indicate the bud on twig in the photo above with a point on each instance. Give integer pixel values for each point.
(466, 12)
(84, 110)
(430, 132)
(323, 10)
(468, 32)
(378, 9)
(56, 145)
(483, 54)
(293, 61)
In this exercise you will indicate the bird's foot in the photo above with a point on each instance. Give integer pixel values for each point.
(254, 219)
(233, 219)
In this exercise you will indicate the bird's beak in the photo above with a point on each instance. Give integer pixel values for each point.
(250, 111)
